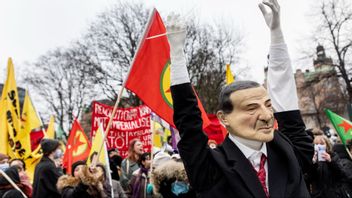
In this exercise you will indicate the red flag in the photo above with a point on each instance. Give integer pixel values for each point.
(77, 147)
(215, 131)
(149, 77)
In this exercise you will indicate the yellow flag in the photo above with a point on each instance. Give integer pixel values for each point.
(30, 119)
(94, 151)
(3, 128)
(158, 134)
(50, 132)
(31, 161)
(18, 140)
(229, 76)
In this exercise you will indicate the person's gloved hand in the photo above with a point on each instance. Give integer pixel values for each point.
(176, 34)
(272, 19)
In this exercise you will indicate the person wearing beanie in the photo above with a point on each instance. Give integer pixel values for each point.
(46, 172)
(77, 166)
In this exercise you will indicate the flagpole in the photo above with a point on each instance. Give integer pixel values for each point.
(125, 80)
(151, 140)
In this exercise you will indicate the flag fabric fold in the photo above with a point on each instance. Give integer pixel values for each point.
(342, 126)
(149, 77)
(229, 77)
(77, 147)
(18, 139)
(50, 132)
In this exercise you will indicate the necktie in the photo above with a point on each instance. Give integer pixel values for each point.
(262, 174)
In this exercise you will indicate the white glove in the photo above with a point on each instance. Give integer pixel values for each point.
(272, 19)
(176, 34)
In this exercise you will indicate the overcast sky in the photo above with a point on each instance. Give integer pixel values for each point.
(29, 28)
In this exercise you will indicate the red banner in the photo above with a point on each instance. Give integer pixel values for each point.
(128, 124)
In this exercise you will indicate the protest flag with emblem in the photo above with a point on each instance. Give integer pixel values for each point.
(19, 140)
(77, 147)
(97, 141)
(149, 77)
(229, 77)
(342, 126)
(103, 157)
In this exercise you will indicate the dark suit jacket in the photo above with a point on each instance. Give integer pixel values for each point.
(225, 171)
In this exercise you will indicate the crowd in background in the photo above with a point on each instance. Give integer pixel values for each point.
(162, 174)
(139, 175)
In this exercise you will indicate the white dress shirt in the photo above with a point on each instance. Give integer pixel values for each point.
(252, 155)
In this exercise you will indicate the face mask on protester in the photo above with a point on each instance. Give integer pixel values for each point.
(179, 187)
(58, 154)
(4, 166)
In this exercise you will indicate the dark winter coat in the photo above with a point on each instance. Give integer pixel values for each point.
(46, 175)
(167, 173)
(88, 186)
(6, 188)
(225, 171)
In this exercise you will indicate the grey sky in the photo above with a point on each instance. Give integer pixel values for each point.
(31, 27)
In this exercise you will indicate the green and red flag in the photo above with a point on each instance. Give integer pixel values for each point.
(342, 126)
(77, 147)
(149, 77)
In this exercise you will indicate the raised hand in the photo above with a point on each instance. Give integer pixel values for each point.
(272, 18)
(176, 33)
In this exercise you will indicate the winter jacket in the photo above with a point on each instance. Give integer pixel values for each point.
(46, 175)
(330, 179)
(167, 173)
(6, 188)
(127, 169)
(88, 186)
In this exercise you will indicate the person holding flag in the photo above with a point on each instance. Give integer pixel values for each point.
(253, 160)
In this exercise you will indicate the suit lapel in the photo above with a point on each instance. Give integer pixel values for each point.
(277, 170)
(242, 166)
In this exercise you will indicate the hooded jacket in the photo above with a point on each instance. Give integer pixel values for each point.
(86, 186)
(167, 173)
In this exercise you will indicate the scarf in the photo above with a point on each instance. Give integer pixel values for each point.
(137, 186)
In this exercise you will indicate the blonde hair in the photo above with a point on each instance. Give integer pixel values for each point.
(326, 141)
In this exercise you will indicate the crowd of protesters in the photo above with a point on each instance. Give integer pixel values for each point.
(239, 166)
(139, 175)
(159, 175)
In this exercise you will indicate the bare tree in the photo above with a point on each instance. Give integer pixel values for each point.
(208, 50)
(57, 78)
(112, 39)
(110, 44)
(334, 32)
(68, 79)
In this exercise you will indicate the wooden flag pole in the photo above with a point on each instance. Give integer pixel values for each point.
(125, 80)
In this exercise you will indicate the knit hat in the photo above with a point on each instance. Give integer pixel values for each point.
(3, 156)
(160, 158)
(49, 145)
(74, 165)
